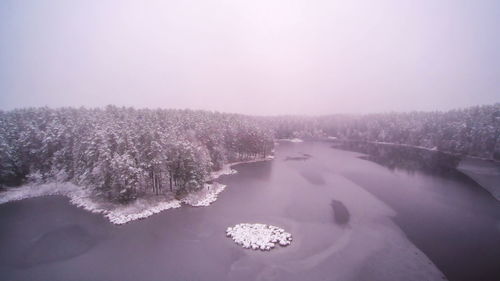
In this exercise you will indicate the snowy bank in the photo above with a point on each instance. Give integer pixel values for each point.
(205, 196)
(82, 197)
(404, 145)
(227, 169)
(291, 140)
(116, 213)
(258, 236)
(209, 193)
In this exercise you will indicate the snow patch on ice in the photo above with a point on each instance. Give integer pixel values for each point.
(258, 236)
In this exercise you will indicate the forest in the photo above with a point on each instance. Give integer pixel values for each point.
(473, 131)
(123, 153)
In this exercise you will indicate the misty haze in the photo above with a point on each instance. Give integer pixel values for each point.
(249, 140)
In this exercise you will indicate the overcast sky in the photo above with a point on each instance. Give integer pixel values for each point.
(256, 57)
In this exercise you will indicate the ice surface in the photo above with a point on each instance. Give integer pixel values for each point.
(370, 246)
(258, 236)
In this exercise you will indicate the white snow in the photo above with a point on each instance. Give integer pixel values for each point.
(119, 213)
(225, 170)
(292, 140)
(139, 209)
(205, 196)
(30, 191)
(258, 236)
(82, 197)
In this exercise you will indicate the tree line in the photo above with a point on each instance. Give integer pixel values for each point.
(122, 153)
(473, 131)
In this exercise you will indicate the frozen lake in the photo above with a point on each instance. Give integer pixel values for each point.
(396, 214)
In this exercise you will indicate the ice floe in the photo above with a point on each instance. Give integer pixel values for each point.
(258, 236)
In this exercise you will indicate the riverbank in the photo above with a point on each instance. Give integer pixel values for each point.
(123, 213)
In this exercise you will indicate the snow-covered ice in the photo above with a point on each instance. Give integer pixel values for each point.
(258, 236)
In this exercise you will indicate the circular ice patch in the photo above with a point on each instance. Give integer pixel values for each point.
(258, 236)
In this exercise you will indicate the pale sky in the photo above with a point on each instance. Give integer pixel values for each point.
(254, 57)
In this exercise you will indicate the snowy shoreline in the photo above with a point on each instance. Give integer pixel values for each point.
(434, 149)
(296, 140)
(483, 171)
(118, 213)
